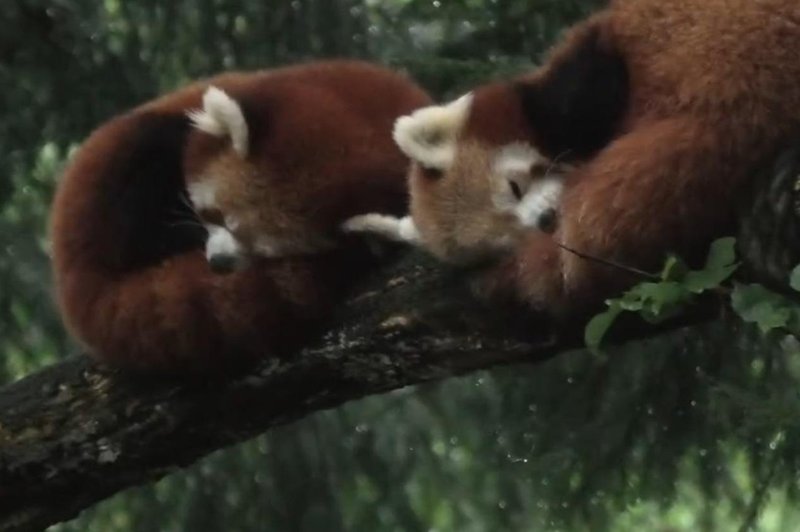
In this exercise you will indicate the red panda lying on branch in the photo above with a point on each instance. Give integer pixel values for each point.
(273, 162)
(667, 107)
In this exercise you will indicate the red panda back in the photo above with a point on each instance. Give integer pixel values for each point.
(132, 282)
(667, 107)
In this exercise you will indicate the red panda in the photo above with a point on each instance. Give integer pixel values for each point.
(666, 107)
(270, 163)
(466, 221)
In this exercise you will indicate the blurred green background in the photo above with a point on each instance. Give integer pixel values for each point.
(690, 431)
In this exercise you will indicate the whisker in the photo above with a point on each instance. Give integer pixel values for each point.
(189, 223)
(184, 218)
(554, 162)
(183, 214)
(187, 201)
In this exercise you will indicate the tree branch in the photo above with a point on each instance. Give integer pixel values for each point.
(75, 433)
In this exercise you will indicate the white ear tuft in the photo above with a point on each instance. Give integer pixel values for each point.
(428, 135)
(222, 116)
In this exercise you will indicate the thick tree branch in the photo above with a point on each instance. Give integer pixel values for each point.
(76, 433)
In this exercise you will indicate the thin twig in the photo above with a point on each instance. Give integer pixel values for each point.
(554, 162)
(606, 262)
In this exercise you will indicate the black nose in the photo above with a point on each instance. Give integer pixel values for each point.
(222, 263)
(547, 221)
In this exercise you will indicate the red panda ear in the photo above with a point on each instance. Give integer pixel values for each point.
(578, 102)
(429, 135)
(222, 116)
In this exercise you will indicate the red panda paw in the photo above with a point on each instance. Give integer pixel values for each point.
(389, 227)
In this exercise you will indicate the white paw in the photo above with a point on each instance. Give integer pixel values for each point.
(368, 223)
(408, 229)
(391, 227)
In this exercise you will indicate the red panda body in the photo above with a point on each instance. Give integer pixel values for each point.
(665, 108)
(713, 90)
(132, 282)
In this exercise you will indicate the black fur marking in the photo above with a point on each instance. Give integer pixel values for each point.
(145, 200)
(431, 173)
(579, 106)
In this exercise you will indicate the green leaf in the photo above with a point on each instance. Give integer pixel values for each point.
(655, 302)
(631, 300)
(664, 299)
(674, 269)
(794, 279)
(661, 316)
(769, 317)
(598, 326)
(747, 296)
(721, 254)
(720, 265)
(756, 304)
(699, 281)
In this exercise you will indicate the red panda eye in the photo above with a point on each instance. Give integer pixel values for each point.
(431, 173)
(515, 189)
(212, 216)
(539, 169)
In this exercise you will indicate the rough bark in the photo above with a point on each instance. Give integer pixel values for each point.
(75, 433)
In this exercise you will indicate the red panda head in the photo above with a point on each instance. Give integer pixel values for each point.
(487, 128)
(504, 148)
(246, 212)
(478, 181)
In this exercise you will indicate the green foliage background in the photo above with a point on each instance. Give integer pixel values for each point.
(686, 432)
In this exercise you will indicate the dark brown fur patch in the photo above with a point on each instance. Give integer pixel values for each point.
(578, 104)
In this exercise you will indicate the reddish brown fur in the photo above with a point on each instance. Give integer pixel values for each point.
(309, 125)
(132, 281)
(714, 89)
(458, 220)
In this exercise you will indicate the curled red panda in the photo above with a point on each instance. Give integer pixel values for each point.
(465, 221)
(273, 161)
(666, 107)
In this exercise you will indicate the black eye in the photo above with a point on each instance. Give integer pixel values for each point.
(539, 169)
(431, 173)
(212, 216)
(515, 189)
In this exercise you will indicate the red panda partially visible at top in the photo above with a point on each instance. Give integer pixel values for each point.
(272, 162)
(666, 108)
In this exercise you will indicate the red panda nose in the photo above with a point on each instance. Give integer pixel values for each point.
(547, 221)
(222, 263)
